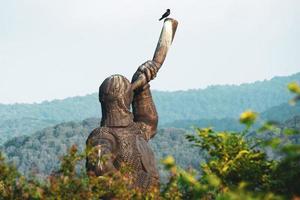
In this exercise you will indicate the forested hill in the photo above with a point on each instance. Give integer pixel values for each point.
(40, 152)
(226, 101)
(276, 114)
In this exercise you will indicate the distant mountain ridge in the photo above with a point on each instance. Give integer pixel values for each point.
(275, 114)
(214, 102)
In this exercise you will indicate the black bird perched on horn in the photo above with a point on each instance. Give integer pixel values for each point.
(166, 14)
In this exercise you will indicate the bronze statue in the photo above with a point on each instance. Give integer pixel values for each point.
(123, 136)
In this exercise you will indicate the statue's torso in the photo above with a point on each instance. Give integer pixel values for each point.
(132, 150)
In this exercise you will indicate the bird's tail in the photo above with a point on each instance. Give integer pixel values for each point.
(160, 19)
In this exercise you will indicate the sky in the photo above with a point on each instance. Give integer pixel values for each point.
(62, 48)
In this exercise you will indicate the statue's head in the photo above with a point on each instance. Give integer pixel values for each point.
(115, 96)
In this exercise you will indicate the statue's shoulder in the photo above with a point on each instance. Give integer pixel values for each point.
(101, 133)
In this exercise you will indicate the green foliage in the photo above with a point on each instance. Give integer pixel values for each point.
(294, 88)
(15, 186)
(237, 166)
(66, 183)
(232, 164)
(8, 176)
(248, 117)
(289, 172)
(231, 158)
(233, 169)
(40, 153)
(288, 168)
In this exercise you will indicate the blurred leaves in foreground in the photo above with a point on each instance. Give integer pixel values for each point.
(248, 117)
(294, 88)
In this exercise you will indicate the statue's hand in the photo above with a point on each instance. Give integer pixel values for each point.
(149, 69)
(103, 162)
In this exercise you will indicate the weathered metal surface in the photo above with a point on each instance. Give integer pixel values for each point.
(123, 135)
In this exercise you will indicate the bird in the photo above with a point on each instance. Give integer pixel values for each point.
(166, 14)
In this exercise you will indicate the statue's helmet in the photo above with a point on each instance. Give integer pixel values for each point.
(115, 96)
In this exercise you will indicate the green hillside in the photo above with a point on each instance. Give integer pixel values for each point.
(281, 112)
(226, 101)
(40, 152)
(277, 113)
(218, 124)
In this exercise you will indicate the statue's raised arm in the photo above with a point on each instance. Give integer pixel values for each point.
(143, 106)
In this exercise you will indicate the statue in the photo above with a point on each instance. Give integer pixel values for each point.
(123, 135)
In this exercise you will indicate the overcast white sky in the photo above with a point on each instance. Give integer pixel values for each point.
(61, 48)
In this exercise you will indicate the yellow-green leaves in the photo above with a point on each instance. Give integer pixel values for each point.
(2, 187)
(290, 131)
(273, 142)
(248, 117)
(241, 153)
(294, 87)
(231, 158)
(269, 126)
(169, 161)
(213, 180)
(188, 178)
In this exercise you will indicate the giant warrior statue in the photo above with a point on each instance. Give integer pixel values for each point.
(123, 135)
